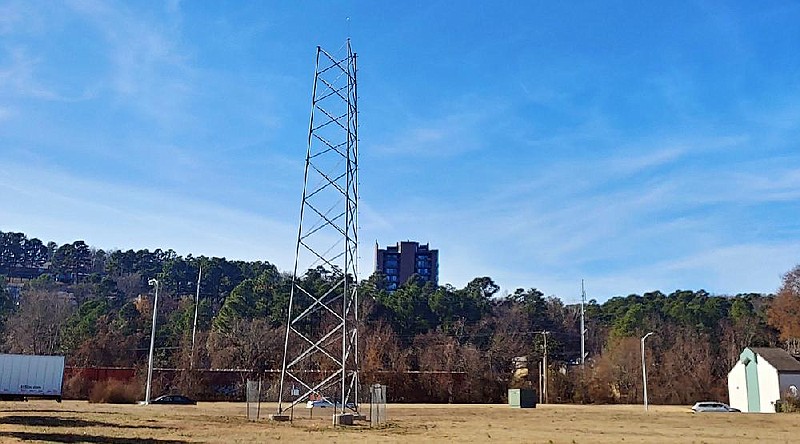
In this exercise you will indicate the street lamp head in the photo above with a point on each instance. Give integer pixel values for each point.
(152, 282)
(648, 335)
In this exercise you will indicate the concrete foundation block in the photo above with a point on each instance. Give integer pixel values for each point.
(343, 419)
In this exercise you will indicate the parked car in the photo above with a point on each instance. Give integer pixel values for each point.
(713, 406)
(174, 399)
(324, 403)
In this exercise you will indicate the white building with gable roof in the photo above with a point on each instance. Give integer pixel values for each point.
(761, 377)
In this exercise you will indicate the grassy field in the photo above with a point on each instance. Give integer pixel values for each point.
(76, 421)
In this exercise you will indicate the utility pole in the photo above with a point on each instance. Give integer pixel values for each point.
(583, 326)
(544, 367)
(541, 382)
(196, 309)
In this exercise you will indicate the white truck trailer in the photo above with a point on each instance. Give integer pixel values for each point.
(31, 376)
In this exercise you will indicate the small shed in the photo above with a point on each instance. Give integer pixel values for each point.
(761, 377)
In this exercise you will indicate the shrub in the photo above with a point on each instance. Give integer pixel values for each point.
(76, 387)
(788, 405)
(115, 392)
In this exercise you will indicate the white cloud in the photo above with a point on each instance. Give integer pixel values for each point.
(639, 162)
(10, 17)
(539, 189)
(53, 205)
(151, 70)
(18, 77)
(460, 128)
(640, 206)
(738, 267)
(6, 113)
(173, 6)
(21, 78)
(729, 269)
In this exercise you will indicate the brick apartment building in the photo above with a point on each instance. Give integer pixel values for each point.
(401, 261)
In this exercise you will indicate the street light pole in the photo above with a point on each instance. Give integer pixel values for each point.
(153, 282)
(644, 371)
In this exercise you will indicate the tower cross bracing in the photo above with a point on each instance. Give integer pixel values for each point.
(320, 356)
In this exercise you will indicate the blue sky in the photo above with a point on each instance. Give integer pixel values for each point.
(636, 146)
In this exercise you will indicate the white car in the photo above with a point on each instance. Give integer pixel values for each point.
(320, 403)
(713, 406)
(323, 403)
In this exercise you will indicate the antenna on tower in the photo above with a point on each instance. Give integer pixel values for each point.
(320, 352)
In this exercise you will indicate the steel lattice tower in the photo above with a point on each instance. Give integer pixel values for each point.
(320, 350)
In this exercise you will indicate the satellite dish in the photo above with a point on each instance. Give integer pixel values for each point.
(793, 391)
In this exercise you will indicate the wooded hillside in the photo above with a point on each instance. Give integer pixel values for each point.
(94, 306)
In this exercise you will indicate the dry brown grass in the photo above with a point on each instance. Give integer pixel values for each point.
(115, 392)
(76, 421)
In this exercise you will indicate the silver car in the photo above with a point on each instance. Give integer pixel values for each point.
(713, 406)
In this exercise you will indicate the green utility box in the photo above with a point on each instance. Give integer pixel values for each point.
(522, 398)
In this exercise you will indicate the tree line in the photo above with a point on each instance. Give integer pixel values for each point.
(96, 308)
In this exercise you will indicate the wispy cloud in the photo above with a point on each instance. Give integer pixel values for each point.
(10, 16)
(52, 201)
(583, 218)
(25, 17)
(633, 164)
(5, 113)
(151, 70)
(18, 76)
(661, 163)
(462, 127)
(730, 269)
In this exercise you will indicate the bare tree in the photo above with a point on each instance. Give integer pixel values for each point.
(683, 372)
(249, 345)
(36, 326)
(618, 374)
(440, 354)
